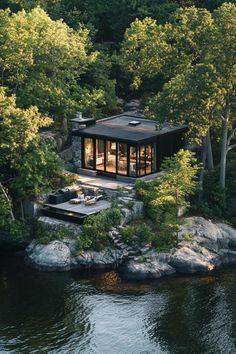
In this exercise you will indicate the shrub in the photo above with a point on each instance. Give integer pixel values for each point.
(128, 234)
(145, 233)
(18, 230)
(166, 239)
(96, 227)
(213, 204)
(45, 234)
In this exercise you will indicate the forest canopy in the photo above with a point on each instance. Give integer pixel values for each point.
(58, 57)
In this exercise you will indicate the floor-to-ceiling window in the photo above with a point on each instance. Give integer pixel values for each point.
(100, 154)
(88, 153)
(142, 161)
(148, 159)
(132, 161)
(122, 158)
(154, 157)
(110, 156)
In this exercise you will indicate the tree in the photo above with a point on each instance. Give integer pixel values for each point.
(193, 40)
(178, 182)
(27, 163)
(44, 62)
(222, 54)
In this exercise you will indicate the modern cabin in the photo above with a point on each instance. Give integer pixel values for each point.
(125, 145)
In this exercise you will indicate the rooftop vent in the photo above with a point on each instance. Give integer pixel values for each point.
(134, 123)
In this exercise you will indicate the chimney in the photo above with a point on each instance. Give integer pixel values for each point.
(79, 115)
(79, 122)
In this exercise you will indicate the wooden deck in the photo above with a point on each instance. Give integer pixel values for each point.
(81, 209)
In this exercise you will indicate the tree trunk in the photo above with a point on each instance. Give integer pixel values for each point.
(210, 161)
(8, 200)
(224, 146)
(201, 175)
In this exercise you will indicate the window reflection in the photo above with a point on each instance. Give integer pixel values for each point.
(154, 157)
(111, 156)
(88, 153)
(122, 158)
(100, 155)
(148, 159)
(142, 160)
(133, 161)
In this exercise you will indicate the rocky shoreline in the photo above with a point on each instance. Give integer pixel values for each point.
(203, 247)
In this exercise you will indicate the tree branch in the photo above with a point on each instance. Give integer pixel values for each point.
(231, 136)
(231, 147)
(220, 115)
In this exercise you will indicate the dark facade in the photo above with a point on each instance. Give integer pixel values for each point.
(124, 145)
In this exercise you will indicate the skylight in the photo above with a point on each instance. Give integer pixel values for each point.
(134, 123)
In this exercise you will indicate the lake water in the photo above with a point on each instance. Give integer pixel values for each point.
(70, 313)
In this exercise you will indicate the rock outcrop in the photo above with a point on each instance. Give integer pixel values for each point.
(210, 246)
(152, 266)
(106, 259)
(56, 256)
(203, 246)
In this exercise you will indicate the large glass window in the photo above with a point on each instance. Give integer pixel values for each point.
(100, 155)
(88, 153)
(111, 156)
(132, 161)
(142, 159)
(122, 158)
(154, 157)
(148, 159)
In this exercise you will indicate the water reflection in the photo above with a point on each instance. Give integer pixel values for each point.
(61, 313)
(39, 312)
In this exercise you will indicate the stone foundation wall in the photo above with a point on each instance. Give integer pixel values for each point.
(77, 151)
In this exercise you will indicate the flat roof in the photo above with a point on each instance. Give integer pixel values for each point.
(119, 128)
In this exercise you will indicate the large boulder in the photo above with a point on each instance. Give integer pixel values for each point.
(103, 260)
(208, 234)
(146, 270)
(211, 245)
(192, 258)
(55, 256)
(152, 266)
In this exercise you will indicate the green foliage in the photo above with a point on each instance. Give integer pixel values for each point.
(96, 228)
(50, 65)
(194, 52)
(213, 204)
(15, 229)
(5, 209)
(178, 181)
(35, 171)
(146, 232)
(164, 196)
(19, 231)
(83, 243)
(166, 239)
(27, 162)
(187, 237)
(61, 179)
(128, 234)
(138, 233)
(45, 234)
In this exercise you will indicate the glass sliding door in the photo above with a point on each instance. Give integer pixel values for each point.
(122, 158)
(88, 153)
(100, 155)
(111, 156)
(132, 161)
(142, 161)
